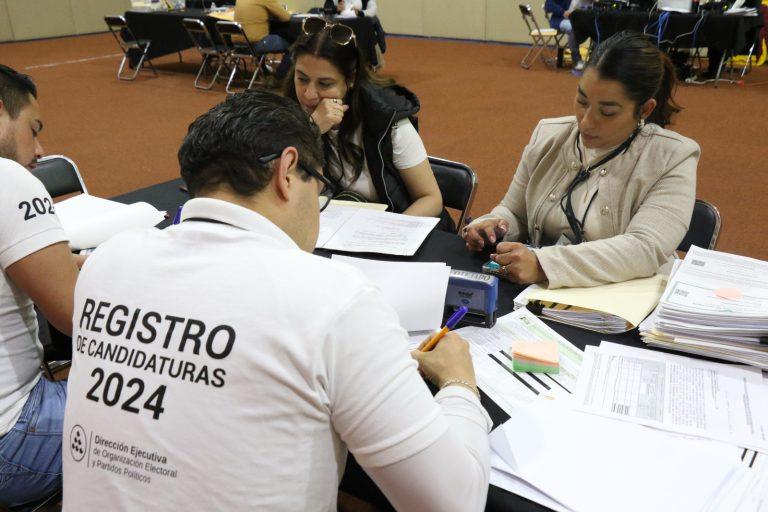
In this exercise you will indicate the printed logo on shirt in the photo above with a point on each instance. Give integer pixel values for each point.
(78, 444)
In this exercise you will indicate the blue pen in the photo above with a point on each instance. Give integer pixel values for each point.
(177, 217)
(450, 324)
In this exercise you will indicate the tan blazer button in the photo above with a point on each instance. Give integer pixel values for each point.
(605, 210)
(551, 197)
(603, 172)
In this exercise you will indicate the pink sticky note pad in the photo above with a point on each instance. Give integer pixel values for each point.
(728, 293)
(546, 352)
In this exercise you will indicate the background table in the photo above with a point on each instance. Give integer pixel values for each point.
(166, 32)
(438, 247)
(725, 32)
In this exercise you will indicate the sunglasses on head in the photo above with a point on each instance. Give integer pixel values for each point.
(339, 34)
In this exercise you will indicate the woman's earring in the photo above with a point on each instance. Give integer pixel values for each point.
(640, 123)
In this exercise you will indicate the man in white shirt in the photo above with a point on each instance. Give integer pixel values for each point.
(219, 365)
(35, 265)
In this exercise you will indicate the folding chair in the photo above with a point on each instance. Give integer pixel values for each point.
(240, 51)
(457, 183)
(59, 175)
(128, 43)
(704, 227)
(544, 40)
(209, 50)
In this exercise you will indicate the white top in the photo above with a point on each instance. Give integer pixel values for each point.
(250, 367)
(27, 224)
(349, 5)
(407, 151)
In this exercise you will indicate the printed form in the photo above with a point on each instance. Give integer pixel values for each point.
(675, 393)
(492, 357)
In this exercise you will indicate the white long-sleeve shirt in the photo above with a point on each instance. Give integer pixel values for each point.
(219, 367)
(349, 5)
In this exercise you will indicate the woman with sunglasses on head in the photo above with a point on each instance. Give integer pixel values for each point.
(373, 150)
(603, 196)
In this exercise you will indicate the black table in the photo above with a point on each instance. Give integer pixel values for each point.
(167, 35)
(438, 247)
(725, 32)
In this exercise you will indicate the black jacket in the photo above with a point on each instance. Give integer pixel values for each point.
(381, 109)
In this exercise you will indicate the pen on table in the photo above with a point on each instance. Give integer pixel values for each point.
(450, 324)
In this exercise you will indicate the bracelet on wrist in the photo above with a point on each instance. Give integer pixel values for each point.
(460, 382)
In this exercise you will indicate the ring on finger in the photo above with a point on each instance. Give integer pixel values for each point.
(504, 269)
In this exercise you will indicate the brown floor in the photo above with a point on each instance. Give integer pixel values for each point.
(478, 107)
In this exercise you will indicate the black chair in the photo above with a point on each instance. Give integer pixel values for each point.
(704, 228)
(59, 175)
(457, 183)
(129, 44)
(210, 51)
(39, 506)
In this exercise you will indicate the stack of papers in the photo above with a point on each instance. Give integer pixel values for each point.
(537, 357)
(415, 290)
(572, 461)
(715, 305)
(610, 308)
(88, 221)
(494, 367)
(365, 230)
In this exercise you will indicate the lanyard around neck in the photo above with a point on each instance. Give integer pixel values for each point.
(566, 204)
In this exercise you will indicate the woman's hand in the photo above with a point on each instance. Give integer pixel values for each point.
(478, 234)
(519, 263)
(450, 359)
(328, 113)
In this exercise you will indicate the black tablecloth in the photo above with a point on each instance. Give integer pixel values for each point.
(722, 31)
(438, 247)
(167, 35)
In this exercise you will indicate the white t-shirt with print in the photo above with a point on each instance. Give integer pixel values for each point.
(407, 151)
(27, 224)
(217, 366)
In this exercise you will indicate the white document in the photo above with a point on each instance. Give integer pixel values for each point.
(502, 475)
(88, 221)
(675, 393)
(589, 463)
(365, 230)
(416, 290)
(492, 358)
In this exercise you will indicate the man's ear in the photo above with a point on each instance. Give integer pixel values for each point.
(285, 173)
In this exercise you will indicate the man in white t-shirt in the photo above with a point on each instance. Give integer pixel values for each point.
(219, 365)
(35, 265)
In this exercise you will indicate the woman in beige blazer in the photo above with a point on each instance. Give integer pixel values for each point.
(605, 195)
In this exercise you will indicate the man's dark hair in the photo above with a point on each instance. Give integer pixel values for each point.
(224, 144)
(15, 89)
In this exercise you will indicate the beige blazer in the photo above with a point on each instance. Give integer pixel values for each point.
(639, 217)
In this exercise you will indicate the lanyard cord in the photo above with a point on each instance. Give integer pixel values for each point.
(566, 203)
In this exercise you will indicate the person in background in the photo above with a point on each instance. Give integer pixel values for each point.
(358, 7)
(276, 361)
(603, 196)
(36, 267)
(254, 16)
(560, 12)
(371, 146)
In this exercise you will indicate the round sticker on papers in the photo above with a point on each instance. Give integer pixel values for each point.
(728, 293)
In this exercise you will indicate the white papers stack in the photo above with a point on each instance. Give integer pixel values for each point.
(570, 460)
(715, 305)
(364, 230)
(492, 357)
(415, 290)
(89, 221)
(675, 393)
(610, 308)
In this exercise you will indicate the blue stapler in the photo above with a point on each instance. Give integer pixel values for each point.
(476, 291)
